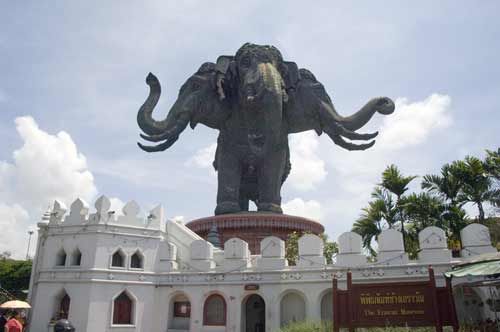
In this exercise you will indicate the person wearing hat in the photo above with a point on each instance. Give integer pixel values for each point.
(13, 325)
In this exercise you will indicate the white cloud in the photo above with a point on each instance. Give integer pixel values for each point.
(15, 223)
(409, 126)
(411, 123)
(179, 219)
(45, 168)
(403, 135)
(5, 173)
(204, 158)
(49, 167)
(308, 169)
(116, 205)
(308, 209)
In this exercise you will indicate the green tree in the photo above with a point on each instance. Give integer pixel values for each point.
(492, 168)
(492, 164)
(369, 224)
(477, 184)
(448, 186)
(381, 212)
(329, 248)
(396, 183)
(423, 210)
(292, 247)
(15, 276)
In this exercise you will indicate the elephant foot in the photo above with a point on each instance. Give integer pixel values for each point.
(227, 207)
(270, 207)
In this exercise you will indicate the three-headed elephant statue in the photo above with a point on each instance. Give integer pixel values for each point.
(255, 99)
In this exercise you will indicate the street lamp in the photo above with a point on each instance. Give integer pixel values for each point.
(30, 232)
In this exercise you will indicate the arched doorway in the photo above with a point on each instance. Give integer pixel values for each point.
(254, 314)
(327, 306)
(292, 308)
(179, 315)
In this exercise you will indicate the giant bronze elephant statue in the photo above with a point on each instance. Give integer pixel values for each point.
(255, 99)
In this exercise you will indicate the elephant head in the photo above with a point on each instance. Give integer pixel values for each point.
(260, 81)
(312, 108)
(197, 102)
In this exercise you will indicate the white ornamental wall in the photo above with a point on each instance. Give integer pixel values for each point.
(178, 262)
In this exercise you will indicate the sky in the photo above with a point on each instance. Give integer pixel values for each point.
(72, 80)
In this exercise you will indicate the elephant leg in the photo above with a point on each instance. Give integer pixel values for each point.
(270, 179)
(244, 203)
(229, 178)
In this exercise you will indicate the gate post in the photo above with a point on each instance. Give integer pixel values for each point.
(335, 301)
(437, 316)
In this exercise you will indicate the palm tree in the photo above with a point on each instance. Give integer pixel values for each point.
(492, 168)
(394, 182)
(492, 164)
(478, 186)
(383, 206)
(369, 226)
(423, 210)
(380, 211)
(447, 185)
(456, 219)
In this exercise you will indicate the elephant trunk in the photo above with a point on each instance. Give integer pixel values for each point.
(144, 117)
(262, 95)
(360, 118)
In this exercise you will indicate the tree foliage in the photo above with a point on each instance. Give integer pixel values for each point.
(15, 276)
(292, 247)
(441, 203)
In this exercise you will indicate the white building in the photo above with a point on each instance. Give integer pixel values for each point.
(129, 273)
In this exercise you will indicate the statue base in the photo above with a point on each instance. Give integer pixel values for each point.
(253, 227)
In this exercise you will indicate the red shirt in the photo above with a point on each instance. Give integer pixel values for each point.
(14, 325)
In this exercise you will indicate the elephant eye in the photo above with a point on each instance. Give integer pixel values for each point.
(195, 86)
(245, 62)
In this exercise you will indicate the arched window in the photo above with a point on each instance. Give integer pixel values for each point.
(136, 261)
(64, 307)
(76, 257)
(214, 311)
(61, 258)
(118, 259)
(123, 309)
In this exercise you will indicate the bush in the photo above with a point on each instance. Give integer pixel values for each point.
(308, 326)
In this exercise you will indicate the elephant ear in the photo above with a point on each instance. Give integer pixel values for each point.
(226, 75)
(302, 108)
(290, 73)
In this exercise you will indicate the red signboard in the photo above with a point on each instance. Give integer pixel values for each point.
(393, 304)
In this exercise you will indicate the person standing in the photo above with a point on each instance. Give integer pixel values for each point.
(3, 320)
(13, 324)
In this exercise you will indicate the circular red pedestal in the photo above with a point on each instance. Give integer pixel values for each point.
(253, 227)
